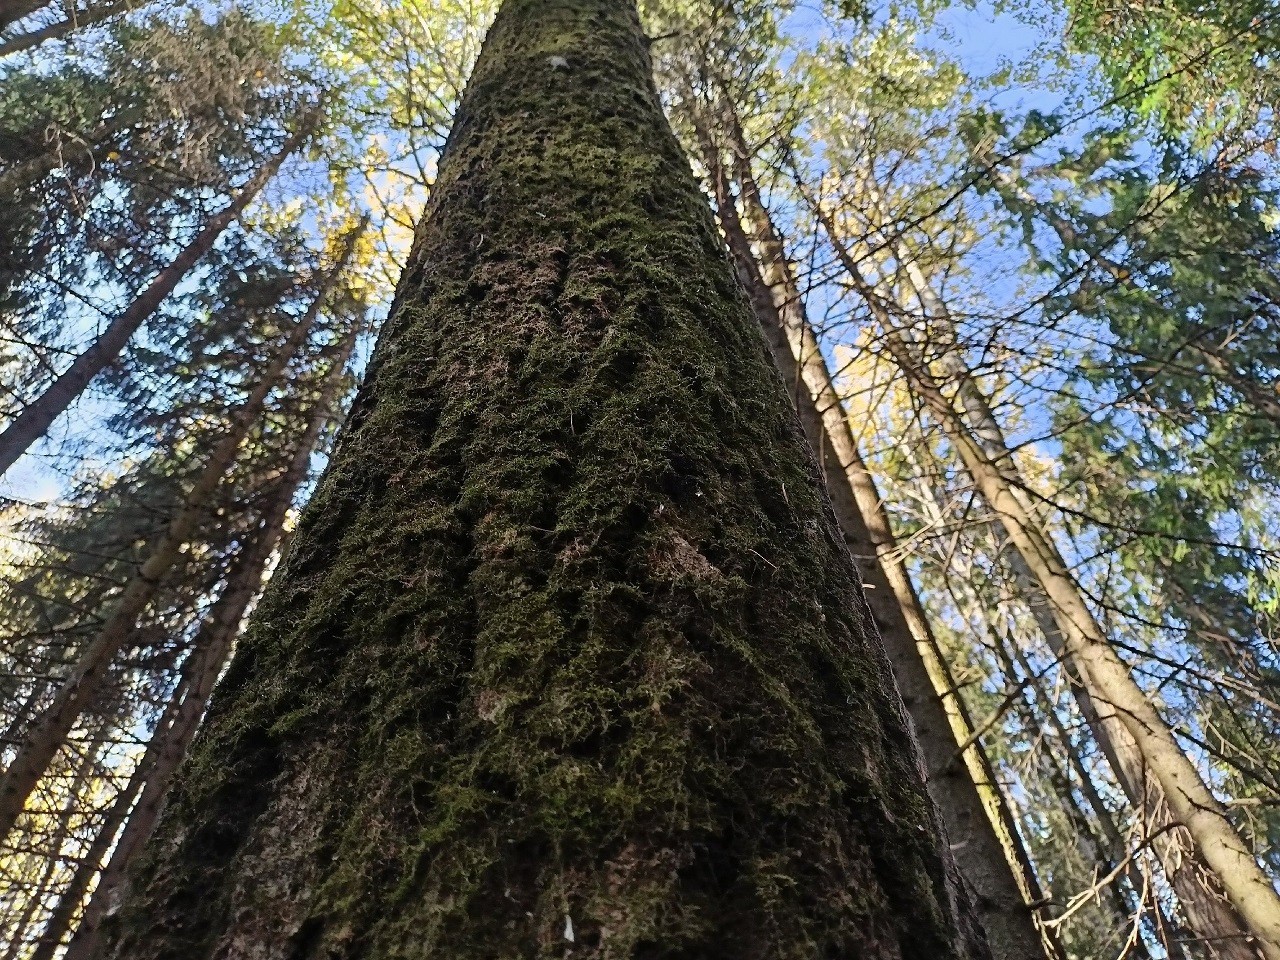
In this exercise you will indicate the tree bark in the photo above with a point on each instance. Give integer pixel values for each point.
(11, 11)
(983, 833)
(37, 416)
(46, 735)
(568, 658)
(1167, 787)
(60, 28)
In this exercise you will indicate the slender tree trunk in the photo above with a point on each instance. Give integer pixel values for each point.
(44, 737)
(1208, 910)
(11, 11)
(1200, 892)
(1169, 790)
(35, 900)
(60, 28)
(37, 416)
(210, 650)
(173, 734)
(165, 750)
(568, 657)
(71, 895)
(31, 902)
(22, 712)
(982, 831)
(1099, 836)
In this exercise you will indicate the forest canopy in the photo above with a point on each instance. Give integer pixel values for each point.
(1017, 268)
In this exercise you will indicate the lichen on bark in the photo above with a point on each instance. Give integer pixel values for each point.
(568, 657)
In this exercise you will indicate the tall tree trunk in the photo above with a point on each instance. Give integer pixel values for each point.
(1096, 835)
(168, 743)
(78, 689)
(20, 932)
(69, 898)
(1199, 891)
(37, 416)
(982, 830)
(210, 650)
(1166, 786)
(22, 711)
(103, 10)
(11, 11)
(568, 657)
(1099, 837)
(37, 896)
(1205, 903)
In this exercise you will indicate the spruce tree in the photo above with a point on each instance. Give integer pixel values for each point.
(568, 657)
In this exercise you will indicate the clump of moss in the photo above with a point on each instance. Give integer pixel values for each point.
(568, 658)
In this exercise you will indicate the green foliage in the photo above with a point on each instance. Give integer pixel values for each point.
(1200, 67)
(1107, 256)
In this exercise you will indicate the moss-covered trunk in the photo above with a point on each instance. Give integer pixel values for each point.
(568, 658)
(981, 828)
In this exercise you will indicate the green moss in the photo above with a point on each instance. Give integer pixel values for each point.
(567, 630)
